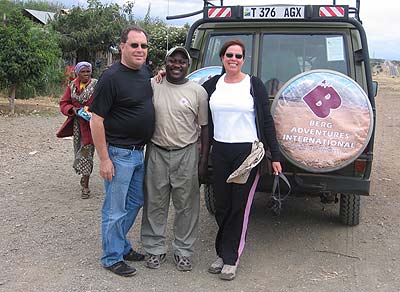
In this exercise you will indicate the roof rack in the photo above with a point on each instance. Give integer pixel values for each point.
(207, 3)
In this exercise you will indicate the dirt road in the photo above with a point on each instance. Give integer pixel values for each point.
(50, 238)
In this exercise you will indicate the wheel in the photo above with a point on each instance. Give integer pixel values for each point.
(349, 211)
(209, 198)
(308, 88)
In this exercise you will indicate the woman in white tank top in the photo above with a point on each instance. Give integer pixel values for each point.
(234, 109)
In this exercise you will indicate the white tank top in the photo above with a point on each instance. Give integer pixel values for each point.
(232, 110)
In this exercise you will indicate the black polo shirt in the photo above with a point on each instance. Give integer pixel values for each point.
(123, 97)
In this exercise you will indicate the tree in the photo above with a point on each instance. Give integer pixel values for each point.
(6, 6)
(42, 5)
(83, 32)
(162, 38)
(27, 53)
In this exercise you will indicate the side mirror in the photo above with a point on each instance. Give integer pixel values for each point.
(375, 88)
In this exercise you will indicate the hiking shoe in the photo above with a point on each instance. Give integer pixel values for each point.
(216, 267)
(228, 272)
(155, 261)
(134, 256)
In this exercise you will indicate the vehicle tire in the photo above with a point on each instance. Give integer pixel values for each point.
(209, 198)
(349, 211)
(291, 99)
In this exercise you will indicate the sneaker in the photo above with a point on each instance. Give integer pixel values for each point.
(216, 267)
(228, 272)
(155, 261)
(122, 269)
(134, 256)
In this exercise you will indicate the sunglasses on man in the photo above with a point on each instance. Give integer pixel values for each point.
(136, 45)
(237, 56)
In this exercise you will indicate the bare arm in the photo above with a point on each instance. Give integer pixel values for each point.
(99, 140)
(205, 148)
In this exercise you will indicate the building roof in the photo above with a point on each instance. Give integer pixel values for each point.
(39, 16)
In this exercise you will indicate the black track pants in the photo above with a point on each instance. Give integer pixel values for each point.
(233, 201)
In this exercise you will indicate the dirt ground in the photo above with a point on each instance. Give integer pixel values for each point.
(50, 238)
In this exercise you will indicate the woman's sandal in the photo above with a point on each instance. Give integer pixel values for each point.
(155, 261)
(182, 263)
(85, 193)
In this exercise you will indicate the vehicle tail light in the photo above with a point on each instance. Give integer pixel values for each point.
(360, 165)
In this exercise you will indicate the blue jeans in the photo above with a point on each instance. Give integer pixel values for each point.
(122, 202)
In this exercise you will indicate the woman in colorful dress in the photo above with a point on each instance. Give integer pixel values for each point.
(76, 99)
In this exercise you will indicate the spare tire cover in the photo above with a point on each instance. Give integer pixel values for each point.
(323, 120)
(201, 75)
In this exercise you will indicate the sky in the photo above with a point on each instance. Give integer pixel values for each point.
(380, 18)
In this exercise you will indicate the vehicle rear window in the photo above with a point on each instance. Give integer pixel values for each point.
(286, 55)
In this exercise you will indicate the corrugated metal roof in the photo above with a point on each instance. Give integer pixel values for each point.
(42, 16)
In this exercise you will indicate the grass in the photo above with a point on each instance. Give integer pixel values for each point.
(40, 105)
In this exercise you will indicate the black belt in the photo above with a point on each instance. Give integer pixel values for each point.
(130, 147)
(166, 149)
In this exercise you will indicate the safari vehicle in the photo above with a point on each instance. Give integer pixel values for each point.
(291, 47)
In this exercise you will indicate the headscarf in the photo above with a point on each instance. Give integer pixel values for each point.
(81, 65)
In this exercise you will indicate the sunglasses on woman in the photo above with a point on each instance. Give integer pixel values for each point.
(237, 56)
(136, 45)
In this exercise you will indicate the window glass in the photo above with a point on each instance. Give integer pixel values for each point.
(211, 57)
(284, 56)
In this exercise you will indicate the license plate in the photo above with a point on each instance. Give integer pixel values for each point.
(273, 12)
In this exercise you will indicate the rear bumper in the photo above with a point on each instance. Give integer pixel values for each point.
(307, 183)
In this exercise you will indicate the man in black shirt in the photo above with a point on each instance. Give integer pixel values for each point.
(122, 123)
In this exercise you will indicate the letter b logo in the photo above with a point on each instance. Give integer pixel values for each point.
(322, 99)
